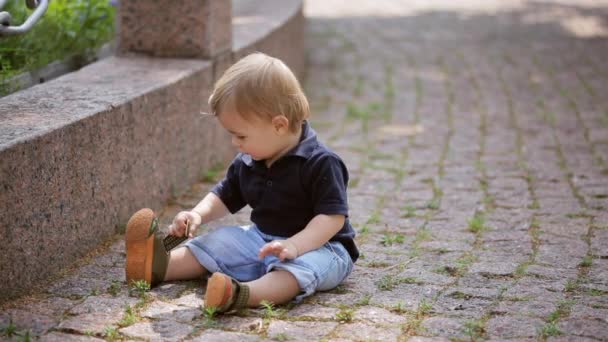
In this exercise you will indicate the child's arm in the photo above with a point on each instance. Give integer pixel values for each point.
(208, 209)
(317, 232)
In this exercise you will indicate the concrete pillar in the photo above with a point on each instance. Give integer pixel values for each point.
(169, 28)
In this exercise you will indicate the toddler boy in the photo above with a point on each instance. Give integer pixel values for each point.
(300, 241)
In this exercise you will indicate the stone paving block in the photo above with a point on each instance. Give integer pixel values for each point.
(193, 300)
(407, 295)
(24, 319)
(61, 337)
(104, 304)
(526, 307)
(313, 311)
(579, 311)
(551, 272)
(570, 338)
(531, 287)
(36, 314)
(428, 339)
(158, 331)
(299, 331)
(76, 287)
(452, 328)
(426, 277)
(514, 326)
(567, 256)
(495, 267)
(95, 322)
(449, 245)
(167, 311)
(169, 291)
(599, 243)
(378, 316)
(366, 332)
(461, 306)
(585, 328)
(249, 325)
(213, 335)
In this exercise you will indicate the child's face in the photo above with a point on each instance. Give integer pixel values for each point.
(260, 138)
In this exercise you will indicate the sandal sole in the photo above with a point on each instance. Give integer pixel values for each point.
(218, 292)
(140, 246)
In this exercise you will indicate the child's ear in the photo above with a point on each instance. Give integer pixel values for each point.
(281, 124)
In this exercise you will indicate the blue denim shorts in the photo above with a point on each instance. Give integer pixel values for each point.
(234, 251)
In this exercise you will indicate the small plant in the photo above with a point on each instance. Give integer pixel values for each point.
(477, 223)
(114, 288)
(340, 289)
(587, 261)
(110, 333)
(571, 285)
(410, 211)
(389, 239)
(399, 307)
(129, 317)
(345, 315)
(281, 337)
(550, 329)
(210, 312)
(374, 218)
(364, 300)
(387, 283)
(423, 234)
(10, 329)
(364, 230)
(269, 310)
(424, 307)
(139, 289)
(433, 204)
(377, 264)
(209, 316)
(474, 329)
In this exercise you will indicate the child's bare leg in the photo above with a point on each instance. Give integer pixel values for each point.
(277, 287)
(183, 265)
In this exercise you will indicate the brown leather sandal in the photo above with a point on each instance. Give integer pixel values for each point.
(147, 258)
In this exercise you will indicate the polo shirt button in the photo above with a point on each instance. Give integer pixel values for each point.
(269, 183)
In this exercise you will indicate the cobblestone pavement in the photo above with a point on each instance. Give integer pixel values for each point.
(476, 133)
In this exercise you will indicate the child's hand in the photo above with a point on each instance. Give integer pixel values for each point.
(181, 220)
(282, 249)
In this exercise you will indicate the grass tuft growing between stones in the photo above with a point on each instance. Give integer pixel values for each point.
(477, 224)
(474, 329)
(390, 239)
(345, 314)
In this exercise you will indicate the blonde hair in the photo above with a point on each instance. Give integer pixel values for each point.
(262, 86)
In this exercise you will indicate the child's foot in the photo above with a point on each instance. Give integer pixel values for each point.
(225, 293)
(147, 258)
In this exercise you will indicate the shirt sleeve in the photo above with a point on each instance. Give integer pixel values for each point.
(229, 190)
(328, 182)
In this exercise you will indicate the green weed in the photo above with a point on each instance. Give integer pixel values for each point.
(128, 318)
(477, 223)
(110, 333)
(474, 329)
(10, 329)
(139, 289)
(345, 315)
(390, 239)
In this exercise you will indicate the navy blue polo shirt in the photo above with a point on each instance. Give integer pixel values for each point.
(307, 181)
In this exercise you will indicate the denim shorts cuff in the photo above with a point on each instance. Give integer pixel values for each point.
(204, 258)
(306, 289)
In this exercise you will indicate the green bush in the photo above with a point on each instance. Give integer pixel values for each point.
(68, 28)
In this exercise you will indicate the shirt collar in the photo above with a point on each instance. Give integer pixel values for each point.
(308, 143)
